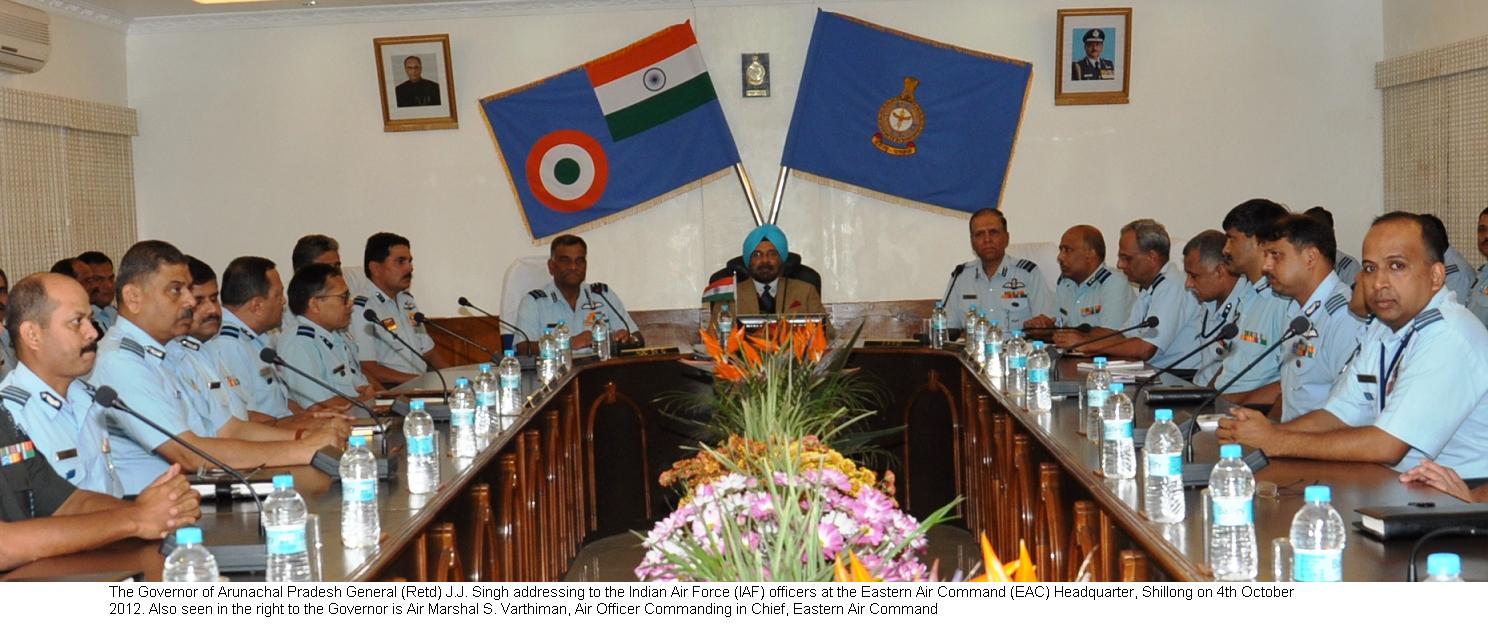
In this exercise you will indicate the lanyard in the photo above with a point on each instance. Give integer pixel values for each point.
(1204, 331)
(1385, 373)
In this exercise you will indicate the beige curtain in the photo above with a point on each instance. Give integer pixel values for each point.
(1436, 136)
(66, 180)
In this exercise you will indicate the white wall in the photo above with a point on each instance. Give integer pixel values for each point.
(1416, 25)
(250, 138)
(87, 62)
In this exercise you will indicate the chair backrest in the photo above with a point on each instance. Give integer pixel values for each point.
(792, 269)
(522, 276)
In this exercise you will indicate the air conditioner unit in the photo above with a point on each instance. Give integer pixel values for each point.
(25, 38)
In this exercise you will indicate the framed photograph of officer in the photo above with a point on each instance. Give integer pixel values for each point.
(416, 80)
(1093, 48)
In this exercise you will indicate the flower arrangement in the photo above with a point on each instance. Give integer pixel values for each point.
(738, 453)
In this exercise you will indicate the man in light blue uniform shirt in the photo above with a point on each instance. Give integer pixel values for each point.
(50, 316)
(252, 300)
(1416, 389)
(101, 287)
(1459, 270)
(1262, 315)
(388, 261)
(1215, 286)
(1006, 288)
(1345, 266)
(567, 298)
(155, 308)
(1478, 303)
(1088, 292)
(1297, 250)
(321, 301)
(1143, 256)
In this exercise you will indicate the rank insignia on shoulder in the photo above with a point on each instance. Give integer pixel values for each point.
(1027, 265)
(361, 300)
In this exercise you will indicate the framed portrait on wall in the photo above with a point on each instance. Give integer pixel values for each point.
(1093, 49)
(416, 81)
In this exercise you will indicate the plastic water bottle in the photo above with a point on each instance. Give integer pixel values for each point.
(284, 520)
(486, 401)
(983, 328)
(969, 331)
(599, 334)
(1232, 537)
(1443, 567)
(992, 367)
(1039, 398)
(511, 388)
(423, 462)
(1164, 484)
(1118, 453)
(190, 561)
(359, 525)
(547, 357)
(1093, 403)
(1015, 351)
(462, 419)
(725, 324)
(938, 324)
(1318, 537)
(565, 346)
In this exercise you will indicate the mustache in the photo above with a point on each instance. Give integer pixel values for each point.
(91, 348)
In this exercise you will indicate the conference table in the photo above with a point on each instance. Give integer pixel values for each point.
(582, 460)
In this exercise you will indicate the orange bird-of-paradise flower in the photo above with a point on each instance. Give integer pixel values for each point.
(751, 355)
(710, 341)
(855, 571)
(727, 371)
(993, 571)
(735, 339)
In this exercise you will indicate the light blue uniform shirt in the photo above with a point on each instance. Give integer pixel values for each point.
(1103, 300)
(327, 355)
(1313, 361)
(546, 306)
(7, 353)
(1459, 274)
(1179, 317)
(68, 430)
(214, 397)
(236, 348)
(1346, 267)
(1216, 315)
(105, 316)
(1478, 304)
(1013, 295)
(375, 344)
(133, 363)
(1435, 399)
(1263, 317)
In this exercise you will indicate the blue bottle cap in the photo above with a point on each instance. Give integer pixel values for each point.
(357, 441)
(485, 367)
(511, 353)
(1039, 345)
(284, 481)
(192, 535)
(1117, 387)
(1317, 493)
(1163, 415)
(996, 322)
(415, 405)
(1444, 564)
(1229, 451)
(1017, 334)
(462, 382)
(1100, 360)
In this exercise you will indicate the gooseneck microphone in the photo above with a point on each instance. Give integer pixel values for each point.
(955, 273)
(1083, 328)
(420, 318)
(271, 357)
(1299, 325)
(1226, 332)
(1149, 322)
(107, 397)
(602, 295)
(501, 323)
(371, 317)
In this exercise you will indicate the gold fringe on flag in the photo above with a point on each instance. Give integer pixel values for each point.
(874, 194)
(937, 44)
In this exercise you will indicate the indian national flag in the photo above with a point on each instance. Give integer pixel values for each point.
(651, 81)
(720, 290)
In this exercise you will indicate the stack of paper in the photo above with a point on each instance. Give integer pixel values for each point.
(1123, 370)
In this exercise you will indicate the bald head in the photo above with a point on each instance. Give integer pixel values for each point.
(1082, 250)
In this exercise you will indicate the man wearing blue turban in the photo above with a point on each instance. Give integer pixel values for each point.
(766, 292)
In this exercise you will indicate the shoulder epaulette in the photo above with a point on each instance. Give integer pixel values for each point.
(1335, 302)
(327, 342)
(1426, 318)
(1026, 265)
(132, 346)
(537, 293)
(190, 343)
(598, 287)
(305, 331)
(1452, 268)
(1157, 282)
(1102, 275)
(381, 299)
(361, 300)
(1345, 263)
(15, 394)
(229, 331)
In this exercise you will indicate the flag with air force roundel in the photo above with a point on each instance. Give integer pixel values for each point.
(613, 136)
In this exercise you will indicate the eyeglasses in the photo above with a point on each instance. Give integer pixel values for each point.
(344, 297)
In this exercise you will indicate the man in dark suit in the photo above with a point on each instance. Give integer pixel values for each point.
(416, 91)
(1092, 67)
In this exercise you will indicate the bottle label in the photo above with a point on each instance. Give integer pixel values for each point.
(286, 539)
(1113, 430)
(548, 353)
(1018, 362)
(358, 490)
(1164, 465)
(422, 445)
(1095, 398)
(485, 398)
(511, 382)
(462, 418)
(1038, 376)
(1232, 511)
(1317, 565)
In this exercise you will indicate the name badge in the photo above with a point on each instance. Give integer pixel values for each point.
(63, 455)
(1368, 379)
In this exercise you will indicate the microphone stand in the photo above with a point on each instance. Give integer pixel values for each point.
(1299, 325)
(420, 318)
(271, 357)
(1229, 331)
(500, 323)
(372, 318)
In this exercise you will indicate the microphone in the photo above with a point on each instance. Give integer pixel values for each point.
(1082, 328)
(1149, 322)
(955, 273)
(501, 323)
(271, 357)
(1225, 333)
(633, 334)
(107, 397)
(371, 317)
(420, 318)
(1462, 531)
(1299, 325)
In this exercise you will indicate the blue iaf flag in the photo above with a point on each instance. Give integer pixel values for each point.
(613, 136)
(905, 118)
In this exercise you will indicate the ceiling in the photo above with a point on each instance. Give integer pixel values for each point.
(130, 9)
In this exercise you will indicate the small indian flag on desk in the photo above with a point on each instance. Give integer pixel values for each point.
(650, 82)
(720, 290)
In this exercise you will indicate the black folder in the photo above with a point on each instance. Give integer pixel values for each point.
(1414, 520)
